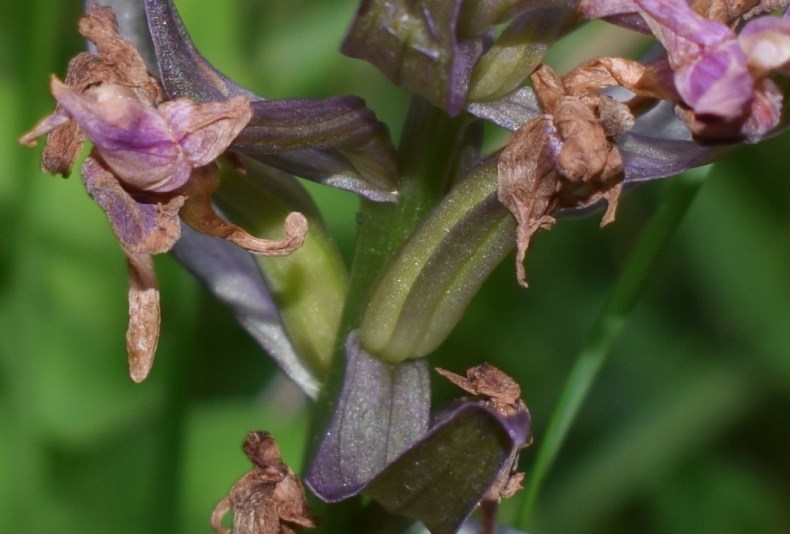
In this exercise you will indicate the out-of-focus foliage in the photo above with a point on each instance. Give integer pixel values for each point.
(685, 431)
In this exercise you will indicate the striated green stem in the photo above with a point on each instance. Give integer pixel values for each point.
(608, 325)
(430, 145)
(431, 142)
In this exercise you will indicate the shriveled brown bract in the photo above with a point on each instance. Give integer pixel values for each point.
(493, 388)
(567, 158)
(269, 499)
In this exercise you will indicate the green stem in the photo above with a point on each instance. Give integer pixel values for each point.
(429, 146)
(609, 323)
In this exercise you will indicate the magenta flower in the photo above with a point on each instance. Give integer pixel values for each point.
(720, 76)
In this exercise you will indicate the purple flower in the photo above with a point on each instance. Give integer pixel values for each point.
(720, 76)
(151, 148)
(151, 166)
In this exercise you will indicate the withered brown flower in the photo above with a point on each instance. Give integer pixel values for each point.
(500, 392)
(567, 157)
(269, 499)
(151, 165)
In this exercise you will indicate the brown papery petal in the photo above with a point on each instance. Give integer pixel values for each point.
(142, 334)
(527, 181)
(199, 213)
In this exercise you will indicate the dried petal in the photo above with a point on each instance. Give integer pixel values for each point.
(717, 83)
(725, 11)
(142, 228)
(653, 80)
(43, 127)
(487, 381)
(133, 139)
(527, 181)
(585, 148)
(142, 334)
(766, 111)
(99, 25)
(764, 6)
(199, 213)
(205, 131)
(269, 499)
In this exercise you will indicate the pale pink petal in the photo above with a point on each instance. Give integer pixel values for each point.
(765, 111)
(205, 131)
(766, 41)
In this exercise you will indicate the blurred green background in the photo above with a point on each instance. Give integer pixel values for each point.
(686, 430)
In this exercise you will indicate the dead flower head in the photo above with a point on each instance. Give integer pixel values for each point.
(269, 499)
(151, 165)
(565, 158)
(501, 393)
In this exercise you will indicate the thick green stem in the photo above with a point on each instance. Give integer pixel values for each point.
(430, 143)
(607, 326)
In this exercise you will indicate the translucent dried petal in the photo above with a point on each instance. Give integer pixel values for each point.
(152, 149)
(204, 131)
(134, 140)
(527, 181)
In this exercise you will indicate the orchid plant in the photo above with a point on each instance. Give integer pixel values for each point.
(186, 161)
